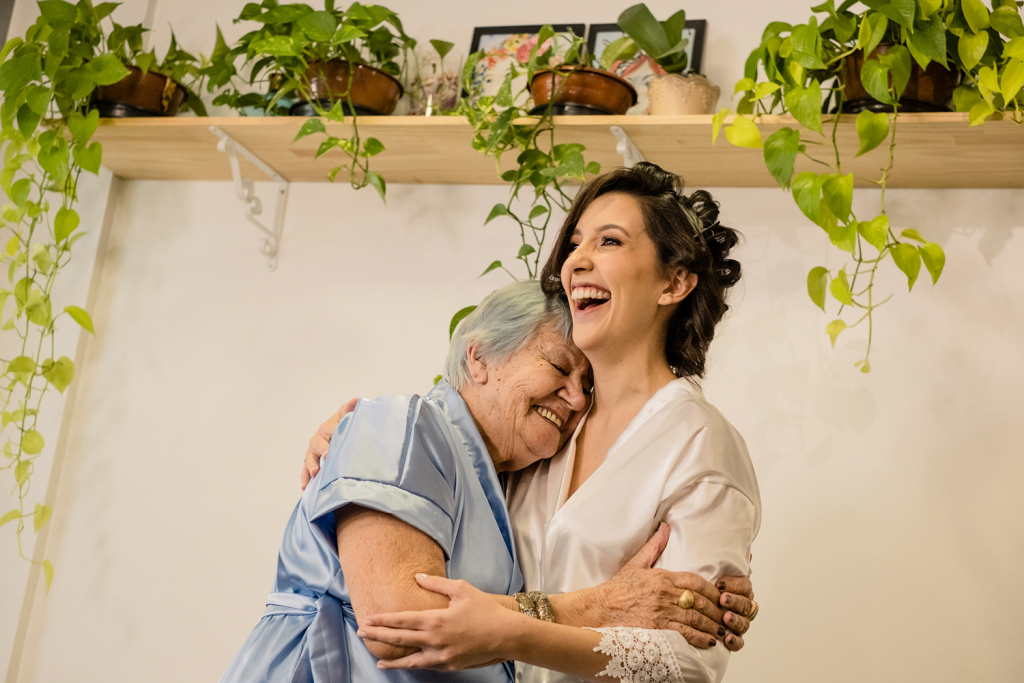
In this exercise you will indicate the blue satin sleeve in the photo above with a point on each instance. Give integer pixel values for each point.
(390, 454)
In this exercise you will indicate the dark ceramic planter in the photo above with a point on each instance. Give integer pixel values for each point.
(374, 93)
(581, 91)
(927, 90)
(139, 94)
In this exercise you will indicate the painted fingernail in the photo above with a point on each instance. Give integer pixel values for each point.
(721, 585)
(721, 633)
(713, 643)
(728, 600)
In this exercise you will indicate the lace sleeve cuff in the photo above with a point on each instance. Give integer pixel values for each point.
(638, 655)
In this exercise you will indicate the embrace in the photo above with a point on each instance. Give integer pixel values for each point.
(565, 502)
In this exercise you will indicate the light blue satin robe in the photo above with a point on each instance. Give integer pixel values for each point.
(422, 460)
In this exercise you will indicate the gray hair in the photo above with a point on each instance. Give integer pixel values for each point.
(503, 323)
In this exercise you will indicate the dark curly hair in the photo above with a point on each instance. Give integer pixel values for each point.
(686, 232)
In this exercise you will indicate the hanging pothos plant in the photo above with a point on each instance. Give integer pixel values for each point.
(48, 78)
(542, 181)
(803, 65)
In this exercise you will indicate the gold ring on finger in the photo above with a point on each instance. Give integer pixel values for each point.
(753, 610)
(686, 599)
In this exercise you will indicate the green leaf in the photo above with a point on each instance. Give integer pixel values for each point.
(806, 189)
(38, 99)
(376, 181)
(840, 288)
(64, 223)
(805, 105)
(443, 47)
(494, 266)
(41, 257)
(980, 111)
(22, 472)
(716, 123)
(457, 318)
(743, 133)
(372, 147)
(912, 234)
(872, 30)
(594, 168)
(874, 76)
(81, 317)
(107, 69)
(872, 129)
(929, 40)
(765, 89)
(438, 378)
(844, 236)
(929, 7)
(313, 125)
(525, 250)
(32, 442)
(1014, 48)
(89, 158)
(639, 24)
(19, 191)
(83, 127)
(27, 121)
(10, 516)
(934, 259)
(538, 210)
(971, 48)
(900, 11)
(899, 62)
(875, 231)
(806, 42)
(18, 72)
(22, 364)
(817, 282)
(319, 26)
(743, 85)
(41, 516)
(59, 373)
(988, 77)
(976, 14)
(907, 259)
(48, 572)
(1007, 21)
(838, 193)
(1012, 79)
(498, 210)
(780, 150)
(57, 12)
(277, 46)
(834, 328)
(864, 365)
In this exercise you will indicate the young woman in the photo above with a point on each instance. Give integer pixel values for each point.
(646, 271)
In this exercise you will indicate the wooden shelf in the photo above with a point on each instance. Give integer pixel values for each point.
(933, 150)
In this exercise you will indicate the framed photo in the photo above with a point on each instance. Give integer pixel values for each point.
(505, 45)
(641, 68)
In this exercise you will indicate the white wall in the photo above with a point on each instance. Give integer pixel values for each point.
(891, 535)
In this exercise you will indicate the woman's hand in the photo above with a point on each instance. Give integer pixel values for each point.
(472, 632)
(738, 599)
(321, 441)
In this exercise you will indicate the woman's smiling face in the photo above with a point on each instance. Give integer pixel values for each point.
(613, 276)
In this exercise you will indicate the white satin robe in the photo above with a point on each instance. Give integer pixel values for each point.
(679, 461)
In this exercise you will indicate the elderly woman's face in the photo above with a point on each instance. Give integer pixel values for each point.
(536, 399)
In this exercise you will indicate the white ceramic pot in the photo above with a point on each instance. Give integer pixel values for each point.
(676, 94)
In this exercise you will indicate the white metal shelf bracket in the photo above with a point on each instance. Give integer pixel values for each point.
(245, 188)
(631, 156)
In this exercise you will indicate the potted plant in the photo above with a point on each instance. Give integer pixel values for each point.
(567, 82)
(809, 66)
(332, 62)
(675, 92)
(48, 78)
(152, 87)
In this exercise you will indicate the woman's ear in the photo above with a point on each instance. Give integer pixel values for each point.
(681, 284)
(477, 366)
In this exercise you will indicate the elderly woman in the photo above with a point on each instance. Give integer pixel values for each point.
(411, 486)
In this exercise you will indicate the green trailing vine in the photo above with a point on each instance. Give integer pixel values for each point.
(802, 66)
(546, 172)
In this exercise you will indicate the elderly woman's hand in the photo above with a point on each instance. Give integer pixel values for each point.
(321, 441)
(738, 599)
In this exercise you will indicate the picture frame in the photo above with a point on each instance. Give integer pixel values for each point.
(641, 68)
(504, 44)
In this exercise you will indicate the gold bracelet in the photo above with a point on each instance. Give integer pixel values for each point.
(545, 612)
(526, 605)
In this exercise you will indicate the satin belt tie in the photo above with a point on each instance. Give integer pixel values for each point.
(325, 634)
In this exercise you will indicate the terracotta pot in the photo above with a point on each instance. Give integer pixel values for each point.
(582, 91)
(139, 94)
(681, 94)
(373, 93)
(927, 90)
